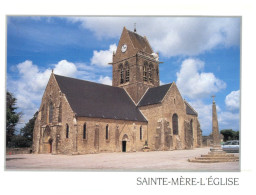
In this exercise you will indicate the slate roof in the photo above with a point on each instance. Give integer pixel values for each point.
(154, 95)
(189, 109)
(95, 100)
(140, 42)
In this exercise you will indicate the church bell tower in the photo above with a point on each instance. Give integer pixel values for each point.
(135, 65)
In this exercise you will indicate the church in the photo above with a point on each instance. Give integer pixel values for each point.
(134, 114)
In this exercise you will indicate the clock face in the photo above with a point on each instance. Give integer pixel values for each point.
(124, 48)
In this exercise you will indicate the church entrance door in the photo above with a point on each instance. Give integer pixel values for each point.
(123, 146)
(124, 142)
(50, 146)
(47, 140)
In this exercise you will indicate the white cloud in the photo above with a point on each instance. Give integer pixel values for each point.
(162, 83)
(103, 57)
(65, 68)
(105, 80)
(171, 36)
(229, 120)
(28, 89)
(31, 82)
(193, 83)
(204, 115)
(226, 119)
(233, 100)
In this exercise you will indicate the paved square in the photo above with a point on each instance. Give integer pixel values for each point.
(176, 160)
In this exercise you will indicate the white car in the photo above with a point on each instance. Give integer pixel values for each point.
(231, 146)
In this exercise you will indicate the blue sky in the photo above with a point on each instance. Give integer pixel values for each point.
(201, 54)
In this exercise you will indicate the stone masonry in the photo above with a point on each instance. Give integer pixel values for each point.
(158, 118)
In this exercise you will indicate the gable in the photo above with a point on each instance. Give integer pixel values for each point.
(154, 95)
(95, 100)
(190, 110)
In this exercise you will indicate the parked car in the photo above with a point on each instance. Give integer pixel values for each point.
(231, 146)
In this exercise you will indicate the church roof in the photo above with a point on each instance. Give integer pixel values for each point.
(95, 100)
(189, 109)
(154, 95)
(139, 42)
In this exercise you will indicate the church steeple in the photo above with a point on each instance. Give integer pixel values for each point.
(135, 65)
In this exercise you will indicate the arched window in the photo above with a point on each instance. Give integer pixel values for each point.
(140, 132)
(42, 114)
(106, 132)
(84, 131)
(157, 71)
(50, 112)
(67, 130)
(121, 69)
(150, 69)
(191, 126)
(60, 113)
(127, 72)
(145, 67)
(175, 124)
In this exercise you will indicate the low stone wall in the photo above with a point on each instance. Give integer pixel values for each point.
(10, 151)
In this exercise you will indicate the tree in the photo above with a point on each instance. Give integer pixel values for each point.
(12, 117)
(27, 131)
(229, 134)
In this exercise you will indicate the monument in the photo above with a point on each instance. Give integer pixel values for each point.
(216, 153)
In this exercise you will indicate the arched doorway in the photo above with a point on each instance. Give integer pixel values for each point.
(124, 142)
(50, 145)
(47, 140)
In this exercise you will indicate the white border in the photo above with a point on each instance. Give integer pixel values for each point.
(125, 183)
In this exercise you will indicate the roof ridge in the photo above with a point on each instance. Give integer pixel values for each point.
(161, 85)
(86, 81)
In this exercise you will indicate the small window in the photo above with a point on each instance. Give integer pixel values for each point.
(42, 114)
(140, 132)
(145, 76)
(67, 130)
(106, 132)
(84, 131)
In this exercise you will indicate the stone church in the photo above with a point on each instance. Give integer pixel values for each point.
(135, 113)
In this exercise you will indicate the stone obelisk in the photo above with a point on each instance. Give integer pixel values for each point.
(215, 129)
(216, 153)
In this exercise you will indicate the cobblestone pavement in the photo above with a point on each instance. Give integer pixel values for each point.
(176, 160)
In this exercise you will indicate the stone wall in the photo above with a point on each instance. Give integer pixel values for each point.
(118, 130)
(55, 141)
(156, 114)
(11, 151)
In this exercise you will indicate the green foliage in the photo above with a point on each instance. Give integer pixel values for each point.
(229, 134)
(27, 131)
(12, 117)
(19, 141)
